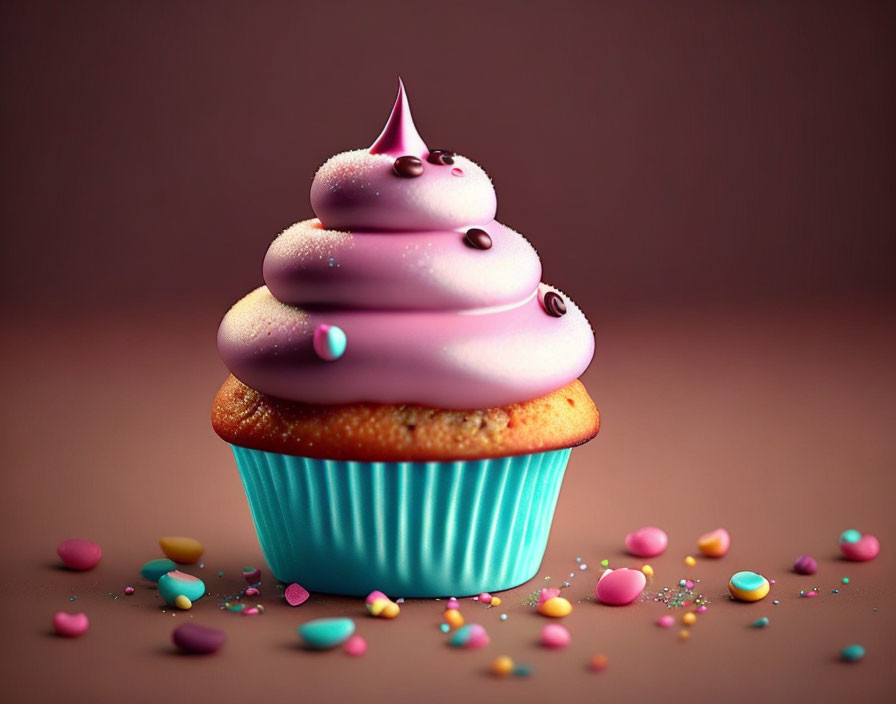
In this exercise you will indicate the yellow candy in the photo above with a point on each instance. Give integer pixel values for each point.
(647, 570)
(186, 551)
(391, 610)
(689, 619)
(377, 607)
(557, 607)
(502, 666)
(496, 601)
(684, 634)
(453, 618)
(183, 602)
(690, 561)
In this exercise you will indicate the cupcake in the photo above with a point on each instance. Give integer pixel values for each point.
(404, 390)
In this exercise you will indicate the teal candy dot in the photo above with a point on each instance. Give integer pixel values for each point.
(444, 627)
(336, 341)
(747, 581)
(850, 536)
(852, 653)
(522, 670)
(323, 633)
(761, 623)
(154, 569)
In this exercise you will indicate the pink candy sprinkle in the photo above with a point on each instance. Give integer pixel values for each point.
(296, 594)
(665, 621)
(79, 554)
(553, 635)
(546, 594)
(648, 541)
(689, 584)
(252, 574)
(701, 608)
(452, 604)
(485, 598)
(355, 646)
(128, 590)
(70, 625)
(252, 591)
(811, 593)
(251, 611)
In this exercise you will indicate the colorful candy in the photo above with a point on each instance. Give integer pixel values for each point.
(473, 636)
(665, 621)
(154, 569)
(202, 640)
(858, 547)
(598, 663)
(176, 583)
(70, 625)
(378, 604)
(647, 570)
(648, 541)
(495, 601)
(555, 607)
(689, 619)
(180, 549)
(128, 590)
(252, 591)
(805, 564)
(329, 342)
(715, 543)
(555, 636)
(748, 586)
(760, 623)
(324, 633)
(453, 618)
(79, 554)
(852, 653)
(295, 594)
(355, 646)
(620, 586)
(690, 561)
(252, 574)
(452, 604)
(485, 598)
(182, 602)
(502, 666)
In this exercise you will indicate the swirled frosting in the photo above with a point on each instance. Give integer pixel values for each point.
(435, 302)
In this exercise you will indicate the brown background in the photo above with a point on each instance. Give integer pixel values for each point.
(712, 182)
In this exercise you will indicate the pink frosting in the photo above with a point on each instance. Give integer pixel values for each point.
(428, 318)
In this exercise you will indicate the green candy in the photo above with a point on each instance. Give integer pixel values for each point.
(174, 584)
(850, 536)
(324, 633)
(747, 581)
(852, 653)
(154, 569)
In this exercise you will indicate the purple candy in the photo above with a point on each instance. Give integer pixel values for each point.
(193, 638)
(805, 564)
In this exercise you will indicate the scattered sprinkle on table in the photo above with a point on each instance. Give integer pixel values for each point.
(852, 653)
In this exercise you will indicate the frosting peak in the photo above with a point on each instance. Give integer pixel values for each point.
(400, 137)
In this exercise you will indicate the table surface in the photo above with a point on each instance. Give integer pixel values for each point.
(776, 424)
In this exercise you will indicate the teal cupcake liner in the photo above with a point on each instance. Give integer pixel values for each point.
(414, 529)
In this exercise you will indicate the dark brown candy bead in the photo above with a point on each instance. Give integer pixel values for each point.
(477, 239)
(440, 157)
(554, 304)
(407, 166)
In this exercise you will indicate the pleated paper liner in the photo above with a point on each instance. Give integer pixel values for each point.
(409, 529)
